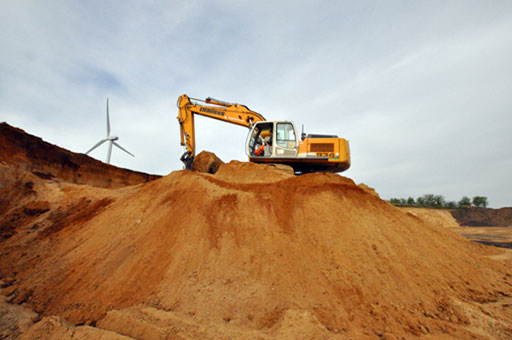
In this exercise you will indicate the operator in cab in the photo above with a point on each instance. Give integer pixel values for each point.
(267, 141)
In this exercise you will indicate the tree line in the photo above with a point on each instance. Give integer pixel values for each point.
(439, 202)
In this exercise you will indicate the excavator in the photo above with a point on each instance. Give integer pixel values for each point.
(267, 141)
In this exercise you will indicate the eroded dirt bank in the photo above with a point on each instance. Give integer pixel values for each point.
(480, 217)
(490, 227)
(21, 150)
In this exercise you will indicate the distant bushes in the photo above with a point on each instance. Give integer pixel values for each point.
(439, 202)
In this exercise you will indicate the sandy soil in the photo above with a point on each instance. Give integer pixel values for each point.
(437, 217)
(479, 217)
(47, 161)
(496, 235)
(249, 252)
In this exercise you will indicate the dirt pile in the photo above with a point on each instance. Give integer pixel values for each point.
(368, 189)
(494, 235)
(251, 251)
(48, 161)
(56, 328)
(436, 217)
(207, 162)
(14, 319)
(480, 217)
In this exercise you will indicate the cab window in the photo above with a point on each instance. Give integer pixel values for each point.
(253, 139)
(286, 135)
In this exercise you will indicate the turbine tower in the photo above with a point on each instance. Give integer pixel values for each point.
(110, 139)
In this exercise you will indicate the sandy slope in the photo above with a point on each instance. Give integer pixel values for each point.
(248, 252)
(19, 149)
(242, 256)
(438, 217)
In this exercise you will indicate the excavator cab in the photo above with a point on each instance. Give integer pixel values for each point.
(278, 142)
(276, 139)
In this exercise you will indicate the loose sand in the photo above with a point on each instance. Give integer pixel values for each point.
(249, 252)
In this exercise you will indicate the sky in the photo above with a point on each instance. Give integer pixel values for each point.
(421, 89)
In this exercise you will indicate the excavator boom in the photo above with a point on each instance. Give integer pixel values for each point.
(227, 112)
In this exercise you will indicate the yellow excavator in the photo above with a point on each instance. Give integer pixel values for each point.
(267, 141)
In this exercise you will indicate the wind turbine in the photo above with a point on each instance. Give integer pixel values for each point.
(110, 139)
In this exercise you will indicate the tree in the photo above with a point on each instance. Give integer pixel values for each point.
(480, 201)
(394, 201)
(464, 202)
(438, 201)
(451, 205)
(428, 200)
(420, 201)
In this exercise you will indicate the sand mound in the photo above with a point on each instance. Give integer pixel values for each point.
(436, 217)
(207, 162)
(147, 323)
(247, 173)
(250, 252)
(253, 251)
(14, 319)
(56, 328)
(368, 189)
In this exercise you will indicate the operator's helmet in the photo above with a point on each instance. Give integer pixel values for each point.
(265, 134)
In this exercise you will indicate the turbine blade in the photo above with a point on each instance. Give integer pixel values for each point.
(108, 120)
(120, 147)
(95, 146)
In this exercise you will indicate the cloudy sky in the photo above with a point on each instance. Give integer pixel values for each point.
(421, 89)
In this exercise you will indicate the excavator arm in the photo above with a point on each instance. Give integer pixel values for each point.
(228, 112)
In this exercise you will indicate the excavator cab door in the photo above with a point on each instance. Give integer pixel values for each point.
(285, 140)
